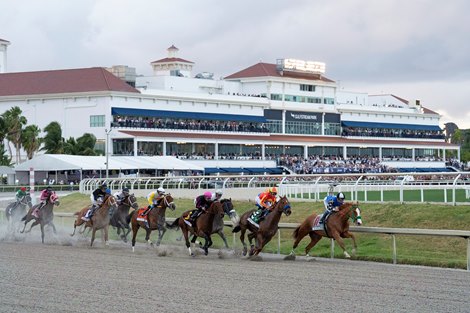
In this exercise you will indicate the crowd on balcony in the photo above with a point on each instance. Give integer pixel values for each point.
(189, 124)
(400, 133)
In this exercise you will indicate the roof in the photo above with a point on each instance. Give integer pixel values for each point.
(63, 162)
(61, 81)
(4, 40)
(268, 69)
(172, 60)
(5, 170)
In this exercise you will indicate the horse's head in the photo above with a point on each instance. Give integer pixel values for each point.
(168, 202)
(216, 207)
(131, 201)
(27, 200)
(283, 205)
(227, 205)
(54, 199)
(111, 202)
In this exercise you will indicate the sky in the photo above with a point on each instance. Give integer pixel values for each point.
(416, 49)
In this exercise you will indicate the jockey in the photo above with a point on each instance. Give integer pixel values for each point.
(264, 202)
(20, 194)
(120, 196)
(202, 203)
(96, 198)
(43, 197)
(217, 195)
(154, 199)
(332, 204)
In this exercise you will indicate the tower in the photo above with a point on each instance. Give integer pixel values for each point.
(3, 55)
(172, 65)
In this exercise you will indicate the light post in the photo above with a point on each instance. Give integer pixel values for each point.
(107, 150)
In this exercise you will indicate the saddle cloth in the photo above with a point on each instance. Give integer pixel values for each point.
(316, 223)
(252, 219)
(140, 216)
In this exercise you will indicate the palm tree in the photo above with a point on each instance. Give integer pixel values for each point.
(14, 123)
(53, 141)
(86, 144)
(30, 140)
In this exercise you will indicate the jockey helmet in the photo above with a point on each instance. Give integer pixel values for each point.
(125, 190)
(49, 188)
(273, 190)
(340, 196)
(160, 190)
(207, 195)
(23, 189)
(219, 192)
(103, 186)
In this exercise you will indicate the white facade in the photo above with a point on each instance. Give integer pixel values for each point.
(3, 55)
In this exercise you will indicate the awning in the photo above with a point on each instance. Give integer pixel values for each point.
(187, 115)
(390, 125)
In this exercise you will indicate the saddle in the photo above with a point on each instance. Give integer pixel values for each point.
(318, 226)
(141, 216)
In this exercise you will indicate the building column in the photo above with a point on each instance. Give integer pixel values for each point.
(413, 154)
(283, 121)
(345, 153)
(164, 147)
(135, 147)
(216, 151)
(380, 154)
(305, 152)
(263, 152)
(323, 124)
(444, 154)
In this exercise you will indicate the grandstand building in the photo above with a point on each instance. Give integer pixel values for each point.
(253, 118)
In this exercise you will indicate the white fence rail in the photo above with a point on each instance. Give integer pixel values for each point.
(360, 229)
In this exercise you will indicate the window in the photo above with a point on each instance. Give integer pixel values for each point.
(310, 88)
(97, 120)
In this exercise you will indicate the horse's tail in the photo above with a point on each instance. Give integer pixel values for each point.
(129, 217)
(236, 229)
(24, 218)
(173, 225)
(296, 232)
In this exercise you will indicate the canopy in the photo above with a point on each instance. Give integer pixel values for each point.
(62, 162)
(5, 170)
(390, 125)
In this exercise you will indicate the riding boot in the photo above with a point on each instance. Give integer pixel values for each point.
(324, 216)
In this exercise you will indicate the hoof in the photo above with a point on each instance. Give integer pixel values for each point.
(256, 258)
(290, 257)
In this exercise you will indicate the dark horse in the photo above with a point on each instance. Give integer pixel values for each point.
(218, 226)
(267, 227)
(99, 220)
(156, 220)
(45, 215)
(203, 226)
(16, 210)
(119, 218)
(337, 228)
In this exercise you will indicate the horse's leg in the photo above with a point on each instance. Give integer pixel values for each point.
(301, 233)
(186, 238)
(222, 235)
(42, 232)
(106, 241)
(260, 242)
(207, 244)
(353, 238)
(53, 228)
(242, 239)
(92, 236)
(147, 237)
(340, 241)
(28, 219)
(250, 240)
(314, 239)
(36, 222)
(135, 229)
(161, 232)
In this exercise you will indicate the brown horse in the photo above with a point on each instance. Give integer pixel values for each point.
(267, 227)
(203, 227)
(119, 218)
(99, 220)
(337, 227)
(45, 215)
(155, 218)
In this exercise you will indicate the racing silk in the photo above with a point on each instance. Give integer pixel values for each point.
(45, 195)
(154, 198)
(265, 200)
(201, 202)
(331, 202)
(98, 193)
(20, 194)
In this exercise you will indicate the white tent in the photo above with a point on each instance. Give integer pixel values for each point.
(62, 162)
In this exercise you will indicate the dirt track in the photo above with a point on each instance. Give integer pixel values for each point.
(68, 276)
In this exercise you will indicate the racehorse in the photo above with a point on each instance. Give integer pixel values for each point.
(155, 220)
(203, 226)
(267, 227)
(99, 220)
(337, 227)
(119, 218)
(45, 215)
(218, 226)
(16, 210)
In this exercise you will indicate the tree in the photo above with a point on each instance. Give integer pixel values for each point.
(86, 144)
(14, 123)
(53, 141)
(70, 146)
(30, 140)
(4, 159)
